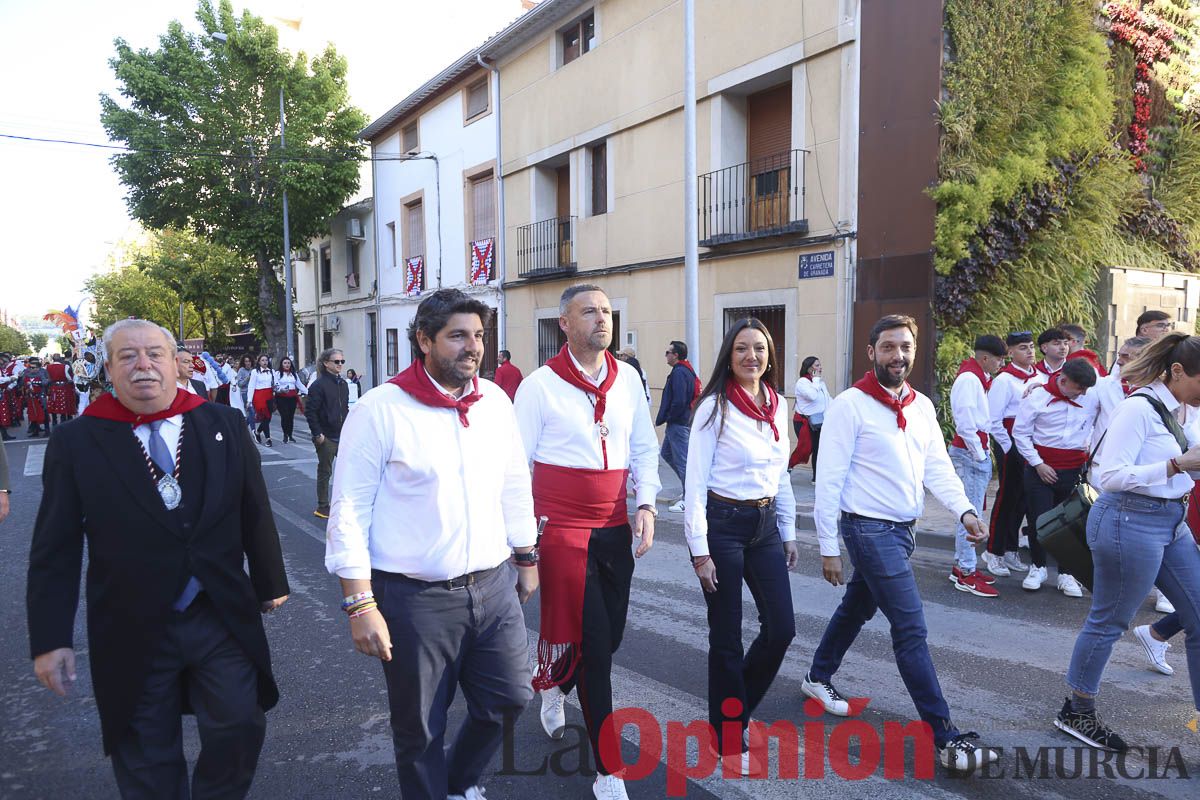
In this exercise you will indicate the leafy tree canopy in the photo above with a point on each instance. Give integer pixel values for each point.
(13, 341)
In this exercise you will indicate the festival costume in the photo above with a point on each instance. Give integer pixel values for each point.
(34, 385)
(1008, 507)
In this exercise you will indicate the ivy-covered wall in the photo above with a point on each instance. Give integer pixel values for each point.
(1069, 145)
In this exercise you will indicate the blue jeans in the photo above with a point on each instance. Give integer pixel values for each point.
(675, 447)
(883, 579)
(975, 477)
(1134, 548)
(744, 545)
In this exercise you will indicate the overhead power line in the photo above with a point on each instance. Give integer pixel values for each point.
(120, 148)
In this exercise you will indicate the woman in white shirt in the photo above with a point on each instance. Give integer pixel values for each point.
(740, 524)
(288, 391)
(261, 391)
(1137, 530)
(812, 398)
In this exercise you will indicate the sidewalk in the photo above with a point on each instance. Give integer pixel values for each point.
(936, 525)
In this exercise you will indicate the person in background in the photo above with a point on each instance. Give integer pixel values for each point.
(353, 386)
(326, 407)
(261, 390)
(5, 491)
(34, 383)
(675, 409)
(508, 377)
(1154, 324)
(185, 372)
(288, 391)
(1054, 344)
(740, 527)
(629, 356)
(245, 370)
(812, 398)
(1078, 348)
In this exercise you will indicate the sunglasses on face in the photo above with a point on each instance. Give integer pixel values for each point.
(337, 361)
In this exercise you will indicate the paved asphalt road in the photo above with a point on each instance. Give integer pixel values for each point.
(1000, 662)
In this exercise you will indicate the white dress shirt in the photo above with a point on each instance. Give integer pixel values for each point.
(185, 386)
(557, 423)
(210, 378)
(1138, 446)
(1060, 424)
(416, 493)
(812, 396)
(1003, 400)
(870, 467)
(288, 381)
(969, 407)
(743, 463)
(260, 379)
(170, 431)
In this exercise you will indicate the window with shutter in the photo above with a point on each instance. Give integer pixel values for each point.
(483, 208)
(600, 179)
(411, 139)
(477, 99)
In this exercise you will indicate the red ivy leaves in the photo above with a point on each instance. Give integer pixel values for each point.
(1152, 40)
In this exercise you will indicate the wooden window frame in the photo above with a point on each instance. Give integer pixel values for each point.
(468, 117)
(406, 250)
(577, 27)
(592, 182)
(475, 173)
(392, 351)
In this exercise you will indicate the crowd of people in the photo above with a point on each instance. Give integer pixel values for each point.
(455, 499)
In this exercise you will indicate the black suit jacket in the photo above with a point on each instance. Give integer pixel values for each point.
(97, 487)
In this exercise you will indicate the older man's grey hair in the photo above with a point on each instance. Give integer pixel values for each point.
(569, 294)
(135, 324)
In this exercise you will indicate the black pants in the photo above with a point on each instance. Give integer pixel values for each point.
(198, 657)
(605, 607)
(1041, 497)
(1008, 507)
(442, 638)
(264, 427)
(744, 545)
(287, 414)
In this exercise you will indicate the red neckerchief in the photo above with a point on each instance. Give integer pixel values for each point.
(108, 407)
(416, 381)
(1056, 394)
(972, 366)
(1125, 387)
(746, 404)
(198, 365)
(1042, 368)
(697, 388)
(869, 384)
(1018, 373)
(1091, 358)
(565, 368)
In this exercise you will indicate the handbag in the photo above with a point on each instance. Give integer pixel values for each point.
(1062, 531)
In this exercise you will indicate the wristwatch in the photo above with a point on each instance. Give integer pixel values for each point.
(526, 558)
(649, 507)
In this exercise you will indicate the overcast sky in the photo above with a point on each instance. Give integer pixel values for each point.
(63, 209)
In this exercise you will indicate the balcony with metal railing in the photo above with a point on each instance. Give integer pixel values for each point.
(754, 200)
(546, 248)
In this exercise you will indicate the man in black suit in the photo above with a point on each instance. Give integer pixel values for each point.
(169, 494)
(185, 363)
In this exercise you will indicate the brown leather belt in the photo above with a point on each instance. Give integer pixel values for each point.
(761, 502)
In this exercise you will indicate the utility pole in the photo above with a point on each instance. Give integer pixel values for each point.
(290, 326)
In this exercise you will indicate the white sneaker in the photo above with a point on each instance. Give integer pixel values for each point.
(1034, 580)
(829, 697)
(1069, 586)
(1156, 651)
(676, 507)
(473, 793)
(553, 715)
(1014, 563)
(1162, 605)
(961, 755)
(609, 787)
(995, 565)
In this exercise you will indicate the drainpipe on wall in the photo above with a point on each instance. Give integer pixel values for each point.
(501, 327)
(377, 366)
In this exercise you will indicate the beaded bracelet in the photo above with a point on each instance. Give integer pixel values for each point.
(360, 604)
(356, 598)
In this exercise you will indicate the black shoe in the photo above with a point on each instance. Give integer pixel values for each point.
(1087, 728)
(5, 436)
(322, 512)
(258, 437)
(269, 442)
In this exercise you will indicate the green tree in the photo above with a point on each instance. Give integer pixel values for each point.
(129, 292)
(13, 341)
(38, 341)
(203, 117)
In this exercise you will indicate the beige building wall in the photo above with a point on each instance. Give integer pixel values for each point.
(627, 93)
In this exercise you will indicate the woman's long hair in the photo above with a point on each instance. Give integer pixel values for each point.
(807, 365)
(243, 365)
(1155, 361)
(722, 372)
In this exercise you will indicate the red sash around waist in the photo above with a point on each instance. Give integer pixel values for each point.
(1062, 459)
(958, 440)
(1008, 424)
(574, 502)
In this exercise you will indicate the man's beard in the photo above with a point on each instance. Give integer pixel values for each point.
(456, 371)
(884, 375)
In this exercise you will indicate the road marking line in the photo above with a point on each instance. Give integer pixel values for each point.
(300, 522)
(35, 457)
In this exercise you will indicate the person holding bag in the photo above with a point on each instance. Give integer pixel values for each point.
(812, 398)
(288, 391)
(1136, 529)
(740, 526)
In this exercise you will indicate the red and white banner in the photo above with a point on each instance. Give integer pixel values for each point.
(414, 275)
(482, 260)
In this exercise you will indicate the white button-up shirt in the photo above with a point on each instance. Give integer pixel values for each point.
(416, 493)
(1135, 453)
(1003, 400)
(1060, 424)
(743, 462)
(812, 396)
(872, 468)
(969, 407)
(170, 431)
(289, 381)
(557, 424)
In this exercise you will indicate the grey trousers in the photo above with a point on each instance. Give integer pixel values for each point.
(326, 453)
(442, 639)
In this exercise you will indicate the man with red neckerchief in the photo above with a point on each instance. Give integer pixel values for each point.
(1053, 431)
(1002, 556)
(586, 426)
(431, 498)
(884, 449)
(167, 491)
(1055, 344)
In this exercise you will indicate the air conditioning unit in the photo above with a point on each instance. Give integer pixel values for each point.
(333, 323)
(354, 229)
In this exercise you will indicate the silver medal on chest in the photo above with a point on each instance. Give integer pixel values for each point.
(603, 431)
(170, 491)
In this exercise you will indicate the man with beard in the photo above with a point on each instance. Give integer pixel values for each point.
(586, 425)
(885, 448)
(430, 501)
